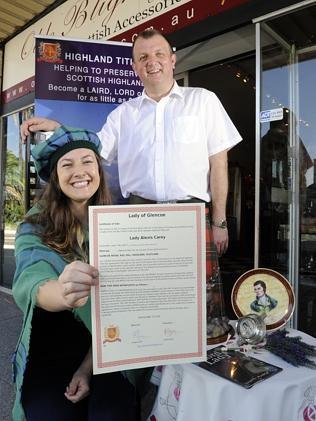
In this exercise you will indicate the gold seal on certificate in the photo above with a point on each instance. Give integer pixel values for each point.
(149, 306)
(111, 334)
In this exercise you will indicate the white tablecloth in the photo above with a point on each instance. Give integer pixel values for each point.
(190, 393)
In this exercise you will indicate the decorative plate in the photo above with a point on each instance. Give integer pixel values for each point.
(264, 292)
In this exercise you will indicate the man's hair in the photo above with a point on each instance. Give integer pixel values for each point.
(262, 283)
(149, 33)
(59, 228)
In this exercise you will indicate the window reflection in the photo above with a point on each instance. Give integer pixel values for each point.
(274, 164)
(288, 158)
(307, 130)
(13, 188)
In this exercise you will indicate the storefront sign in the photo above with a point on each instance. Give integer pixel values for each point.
(102, 20)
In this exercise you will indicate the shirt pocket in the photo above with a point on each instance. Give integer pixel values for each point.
(186, 129)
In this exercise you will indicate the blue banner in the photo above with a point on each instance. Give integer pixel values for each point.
(78, 83)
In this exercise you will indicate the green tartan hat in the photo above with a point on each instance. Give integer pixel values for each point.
(63, 140)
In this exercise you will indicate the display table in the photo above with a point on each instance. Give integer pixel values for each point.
(190, 393)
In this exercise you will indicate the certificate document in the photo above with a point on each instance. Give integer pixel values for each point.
(149, 305)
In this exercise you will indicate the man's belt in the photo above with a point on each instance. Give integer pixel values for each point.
(137, 200)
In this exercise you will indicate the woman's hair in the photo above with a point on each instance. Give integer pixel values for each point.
(60, 229)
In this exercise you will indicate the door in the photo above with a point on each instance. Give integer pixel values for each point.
(233, 81)
(287, 201)
(226, 65)
(276, 142)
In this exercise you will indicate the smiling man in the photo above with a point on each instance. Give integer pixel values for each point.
(154, 62)
(172, 142)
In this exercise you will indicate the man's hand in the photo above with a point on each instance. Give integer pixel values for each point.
(220, 237)
(219, 189)
(36, 124)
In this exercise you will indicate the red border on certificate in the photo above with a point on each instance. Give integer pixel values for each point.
(151, 360)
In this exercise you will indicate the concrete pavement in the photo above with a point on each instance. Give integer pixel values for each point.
(10, 325)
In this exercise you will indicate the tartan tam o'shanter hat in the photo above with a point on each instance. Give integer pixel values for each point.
(63, 140)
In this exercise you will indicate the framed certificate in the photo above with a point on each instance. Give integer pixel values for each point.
(149, 307)
(265, 292)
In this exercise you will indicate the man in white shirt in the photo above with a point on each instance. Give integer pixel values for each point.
(171, 142)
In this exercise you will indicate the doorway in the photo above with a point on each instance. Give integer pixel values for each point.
(226, 65)
(286, 118)
(233, 81)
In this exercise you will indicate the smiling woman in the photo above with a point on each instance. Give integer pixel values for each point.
(79, 178)
(69, 161)
(52, 283)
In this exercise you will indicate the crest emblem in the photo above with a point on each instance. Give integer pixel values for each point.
(111, 334)
(49, 52)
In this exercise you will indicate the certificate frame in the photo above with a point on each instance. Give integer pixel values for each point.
(278, 289)
(107, 333)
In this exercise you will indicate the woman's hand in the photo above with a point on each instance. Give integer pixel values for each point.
(70, 290)
(36, 124)
(78, 387)
(76, 281)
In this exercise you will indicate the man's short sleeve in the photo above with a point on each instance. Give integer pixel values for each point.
(220, 130)
(109, 136)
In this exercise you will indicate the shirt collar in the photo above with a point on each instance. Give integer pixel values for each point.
(175, 91)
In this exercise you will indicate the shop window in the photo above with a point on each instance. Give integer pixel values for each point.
(14, 171)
